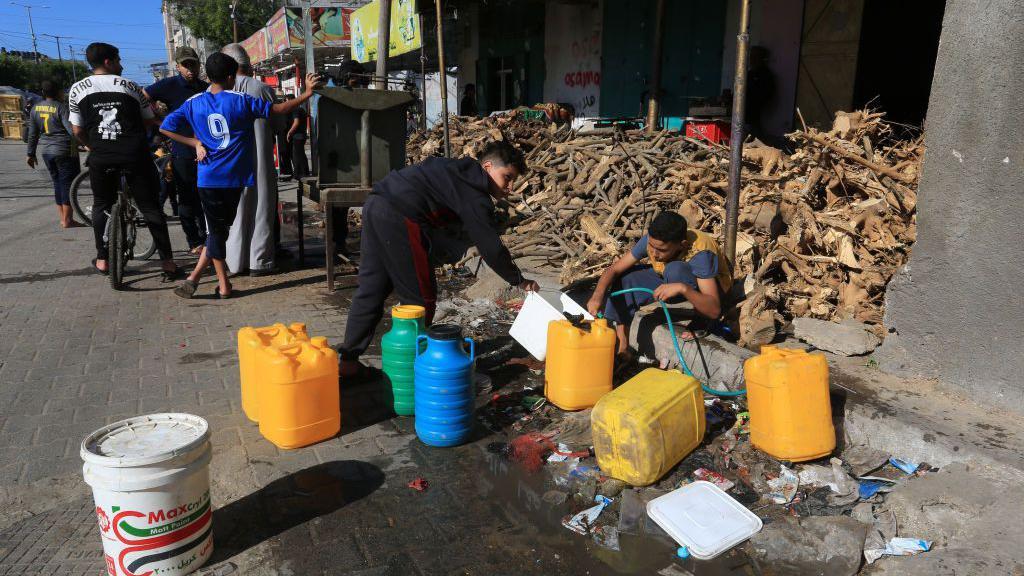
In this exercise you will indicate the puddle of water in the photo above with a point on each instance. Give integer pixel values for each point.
(513, 493)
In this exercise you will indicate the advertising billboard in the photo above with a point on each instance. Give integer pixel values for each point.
(405, 30)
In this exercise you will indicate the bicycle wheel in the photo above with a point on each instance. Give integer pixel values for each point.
(81, 196)
(143, 246)
(115, 245)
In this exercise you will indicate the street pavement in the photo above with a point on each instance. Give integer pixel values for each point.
(75, 355)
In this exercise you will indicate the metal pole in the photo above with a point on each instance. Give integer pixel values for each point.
(739, 96)
(307, 29)
(57, 38)
(654, 99)
(31, 28)
(444, 80)
(423, 78)
(234, 22)
(74, 67)
(380, 77)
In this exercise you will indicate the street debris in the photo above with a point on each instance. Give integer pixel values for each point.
(607, 536)
(714, 477)
(583, 521)
(898, 547)
(784, 487)
(419, 484)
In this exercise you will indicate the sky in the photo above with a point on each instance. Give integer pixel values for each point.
(134, 26)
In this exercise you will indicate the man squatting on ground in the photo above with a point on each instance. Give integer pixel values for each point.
(222, 121)
(437, 193)
(680, 265)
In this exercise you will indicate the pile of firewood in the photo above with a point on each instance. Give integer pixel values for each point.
(468, 135)
(822, 230)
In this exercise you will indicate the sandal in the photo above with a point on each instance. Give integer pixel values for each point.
(98, 271)
(222, 295)
(169, 276)
(186, 289)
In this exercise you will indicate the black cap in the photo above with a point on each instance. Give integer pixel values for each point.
(445, 332)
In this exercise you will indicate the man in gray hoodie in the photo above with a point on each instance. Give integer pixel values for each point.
(49, 131)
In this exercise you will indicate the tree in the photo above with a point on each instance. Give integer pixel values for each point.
(211, 19)
(27, 75)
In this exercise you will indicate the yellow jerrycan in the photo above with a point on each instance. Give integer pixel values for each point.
(788, 400)
(251, 343)
(646, 426)
(579, 364)
(298, 393)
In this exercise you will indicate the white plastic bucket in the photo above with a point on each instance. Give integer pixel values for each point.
(150, 479)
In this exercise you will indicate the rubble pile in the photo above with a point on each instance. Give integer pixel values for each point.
(822, 230)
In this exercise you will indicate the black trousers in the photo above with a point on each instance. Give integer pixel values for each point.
(220, 206)
(190, 209)
(393, 258)
(144, 187)
(284, 153)
(300, 164)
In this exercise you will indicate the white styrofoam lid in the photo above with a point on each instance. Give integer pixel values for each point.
(703, 518)
(145, 439)
(530, 327)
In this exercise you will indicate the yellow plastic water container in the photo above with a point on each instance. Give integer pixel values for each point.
(298, 393)
(788, 400)
(646, 426)
(579, 364)
(251, 343)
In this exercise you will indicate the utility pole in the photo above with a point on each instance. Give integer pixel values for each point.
(444, 79)
(31, 28)
(74, 65)
(380, 77)
(654, 98)
(234, 21)
(307, 29)
(57, 38)
(739, 96)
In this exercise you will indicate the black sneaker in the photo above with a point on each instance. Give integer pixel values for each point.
(262, 272)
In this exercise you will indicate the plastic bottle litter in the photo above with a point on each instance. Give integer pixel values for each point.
(582, 522)
(898, 547)
(784, 487)
(683, 552)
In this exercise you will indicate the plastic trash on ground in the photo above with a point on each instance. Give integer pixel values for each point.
(898, 547)
(784, 487)
(702, 517)
(582, 522)
(714, 477)
(607, 536)
(530, 327)
(905, 465)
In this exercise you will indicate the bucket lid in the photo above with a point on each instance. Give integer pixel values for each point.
(445, 332)
(703, 518)
(144, 440)
(408, 311)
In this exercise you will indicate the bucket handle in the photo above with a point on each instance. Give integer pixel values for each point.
(420, 338)
(472, 349)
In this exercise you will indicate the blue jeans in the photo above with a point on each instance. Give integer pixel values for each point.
(63, 170)
(621, 309)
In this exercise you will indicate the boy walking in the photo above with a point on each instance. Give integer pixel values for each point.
(50, 130)
(436, 193)
(222, 121)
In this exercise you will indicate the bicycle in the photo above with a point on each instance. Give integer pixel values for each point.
(81, 203)
(122, 229)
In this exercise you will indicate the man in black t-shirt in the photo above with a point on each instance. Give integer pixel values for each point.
(297, 139)
(109, 114)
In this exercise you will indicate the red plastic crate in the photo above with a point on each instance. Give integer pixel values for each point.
(717, 131)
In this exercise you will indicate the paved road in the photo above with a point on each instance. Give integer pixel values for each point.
(74, 355)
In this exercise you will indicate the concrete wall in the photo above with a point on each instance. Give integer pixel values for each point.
(956, 311)
(776, 27)
(572, 56)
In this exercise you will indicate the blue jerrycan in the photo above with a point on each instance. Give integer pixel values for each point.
(444, 386)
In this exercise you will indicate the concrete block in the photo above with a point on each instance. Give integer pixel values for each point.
(816, 545)
(846, 338)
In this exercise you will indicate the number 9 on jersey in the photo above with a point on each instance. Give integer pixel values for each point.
(218, 126)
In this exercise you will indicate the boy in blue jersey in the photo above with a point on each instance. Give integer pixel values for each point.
(221, 120)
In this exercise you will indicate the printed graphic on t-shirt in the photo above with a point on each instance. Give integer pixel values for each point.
(113, 111)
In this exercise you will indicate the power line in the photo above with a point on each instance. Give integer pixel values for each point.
(31, 28)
